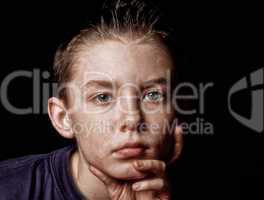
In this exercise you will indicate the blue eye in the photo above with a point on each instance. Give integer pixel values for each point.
(103, 98)
(153, 96)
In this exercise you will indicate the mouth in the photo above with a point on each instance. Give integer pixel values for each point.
(129, 150)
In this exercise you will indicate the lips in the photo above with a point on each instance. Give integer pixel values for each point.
(130, 150)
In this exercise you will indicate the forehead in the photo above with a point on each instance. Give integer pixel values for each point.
(122, 62)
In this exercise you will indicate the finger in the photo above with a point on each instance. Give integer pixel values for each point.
(155, 166)
(178, 138)
(143, 195)
(101, 176)
(164, 196)
(154, 195)
(156, 184)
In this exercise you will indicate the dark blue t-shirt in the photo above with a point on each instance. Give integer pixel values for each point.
(39, 177)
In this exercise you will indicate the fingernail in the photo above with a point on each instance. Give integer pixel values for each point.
(136, 187)
(91, 168)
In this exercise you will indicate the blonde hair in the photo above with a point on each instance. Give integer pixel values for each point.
(121, 20)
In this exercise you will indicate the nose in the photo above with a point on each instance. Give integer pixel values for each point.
(130, 114)
(130, 124)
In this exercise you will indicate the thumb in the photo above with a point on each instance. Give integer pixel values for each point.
(101, 175)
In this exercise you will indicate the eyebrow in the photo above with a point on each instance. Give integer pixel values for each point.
(110, 85)
(100, 83)
(156, 81)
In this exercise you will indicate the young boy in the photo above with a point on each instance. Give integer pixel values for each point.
(114, 102)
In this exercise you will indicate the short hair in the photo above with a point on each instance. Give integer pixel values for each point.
(122, 20)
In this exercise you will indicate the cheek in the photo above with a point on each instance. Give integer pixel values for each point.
(95, 149)
(158, 123)
(159, 133)
(92, 138)
(91, 124)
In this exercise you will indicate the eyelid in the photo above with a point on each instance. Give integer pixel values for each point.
(92, 96)
(160, 86)
(161, 92)
(97, 102)
(153, 90)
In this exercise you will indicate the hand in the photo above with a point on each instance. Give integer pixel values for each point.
(153, 187)
(178, 145)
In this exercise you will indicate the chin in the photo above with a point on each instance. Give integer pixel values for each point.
(124, 171)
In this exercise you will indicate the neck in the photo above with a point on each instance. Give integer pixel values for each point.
(89, 185)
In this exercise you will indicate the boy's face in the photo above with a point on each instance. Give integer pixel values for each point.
(121, 105)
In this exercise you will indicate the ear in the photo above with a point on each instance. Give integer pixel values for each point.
(178, 144)
(59, 117)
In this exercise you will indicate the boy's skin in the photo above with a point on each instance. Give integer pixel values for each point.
(98, 169)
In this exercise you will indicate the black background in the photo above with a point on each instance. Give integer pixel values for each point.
(222, 43)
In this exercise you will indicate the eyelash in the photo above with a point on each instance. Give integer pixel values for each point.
(162, 97)
(95, 99)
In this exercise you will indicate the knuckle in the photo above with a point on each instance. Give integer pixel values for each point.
(161, 183)
(162, 166)
(152, 163)
(145, 185)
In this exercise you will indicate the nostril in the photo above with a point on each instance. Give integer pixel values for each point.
(131, 122)
(128, 125)
(131, 125)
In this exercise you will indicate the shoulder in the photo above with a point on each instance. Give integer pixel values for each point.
(19, 167)
(21, 176)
